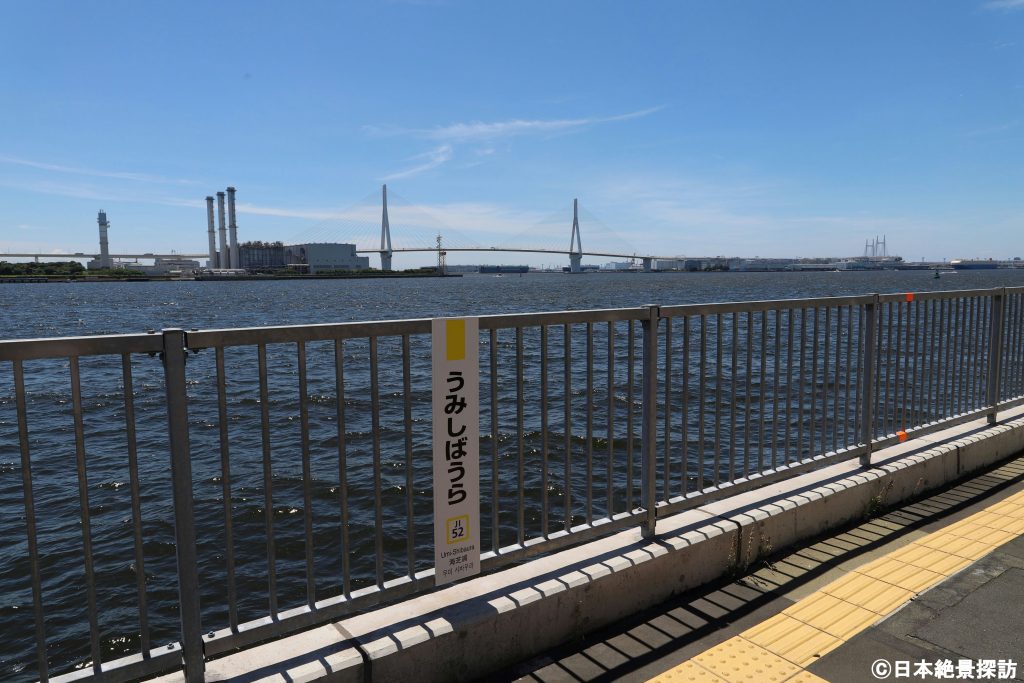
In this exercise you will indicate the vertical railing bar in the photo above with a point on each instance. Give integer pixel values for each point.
(935, 375)
(995, 353)
(900, 372)
(825, 358)
(867, 419)
(1013, 357)
(495, 522)
(908, 368)
(849, 370)
(734, 332)
(268, 479)
(789, 385)
(935, 365)
(950, 335)
(836, 378)
(917, 382)
(410, 512)
(685, 483)
(28, 499)
(985, 305)
(307, 474)
(887, 391)
(965, 358)
(912, 364)
(174, 354)
(590, 423)
(666, 485)
(858, 413)
(611, 419)
(544, 430)
(800, 385)
(133, 476)
(339, 388)
(83, 498)
(567, 458)
(775, 386)
(649, 421)
(762, 383)
(520, 442)
(746, 400)
(225, 475)
(719, 342)
(924, 312)
(972, 356)
(1018, 345)
(702, 379)
(1006, 371)
(980, 351)
(811, 436)
(881, 357)
(630, 434)
(378, 502)
(964, 345)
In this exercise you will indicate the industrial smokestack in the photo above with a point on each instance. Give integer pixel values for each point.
(224, 260)
(212, 263)
(233, 228)
(104, 248)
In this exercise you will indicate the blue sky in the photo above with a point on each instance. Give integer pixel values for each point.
(698, 128)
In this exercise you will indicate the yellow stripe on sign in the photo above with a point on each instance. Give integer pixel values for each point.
(455, 339)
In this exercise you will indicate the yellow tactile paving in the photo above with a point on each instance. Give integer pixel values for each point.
(992, 537)
(833, 616)
(902, 574)
(955, 545)
(792, 639)
(777, 649)
(688, 672)
(738, 660)
(869, 593)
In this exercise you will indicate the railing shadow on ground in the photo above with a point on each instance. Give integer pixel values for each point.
(697, 620)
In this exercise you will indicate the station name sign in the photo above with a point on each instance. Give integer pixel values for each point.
(456, 440)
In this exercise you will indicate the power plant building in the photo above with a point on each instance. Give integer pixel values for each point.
(261, 256)
(321, 256)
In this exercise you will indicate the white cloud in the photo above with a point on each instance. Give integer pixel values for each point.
(477, 131)
(435, 158)
(77, 170)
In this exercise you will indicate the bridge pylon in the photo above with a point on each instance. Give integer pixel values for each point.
(575, 245)
(385, 235)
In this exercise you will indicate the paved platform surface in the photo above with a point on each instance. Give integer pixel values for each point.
(934, 589)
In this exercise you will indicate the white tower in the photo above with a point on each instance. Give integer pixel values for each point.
(385, 235)
(105, 261)
(225, 257)
(233, 228)
(575, 245)
(212, 262)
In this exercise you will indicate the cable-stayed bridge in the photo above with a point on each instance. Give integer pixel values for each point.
(417, 230)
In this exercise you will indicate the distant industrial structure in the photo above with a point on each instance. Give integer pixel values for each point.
(234, 258)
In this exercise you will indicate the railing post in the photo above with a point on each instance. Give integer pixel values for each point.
(184, 519)
(995, 355)
(867, 416)
(648, 432)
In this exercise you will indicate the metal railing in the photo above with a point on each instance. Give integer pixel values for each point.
(294, 487)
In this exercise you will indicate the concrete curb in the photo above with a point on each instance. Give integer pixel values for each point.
(491, 622)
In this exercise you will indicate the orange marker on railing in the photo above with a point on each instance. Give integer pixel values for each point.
(910, 297)
(902, 435)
